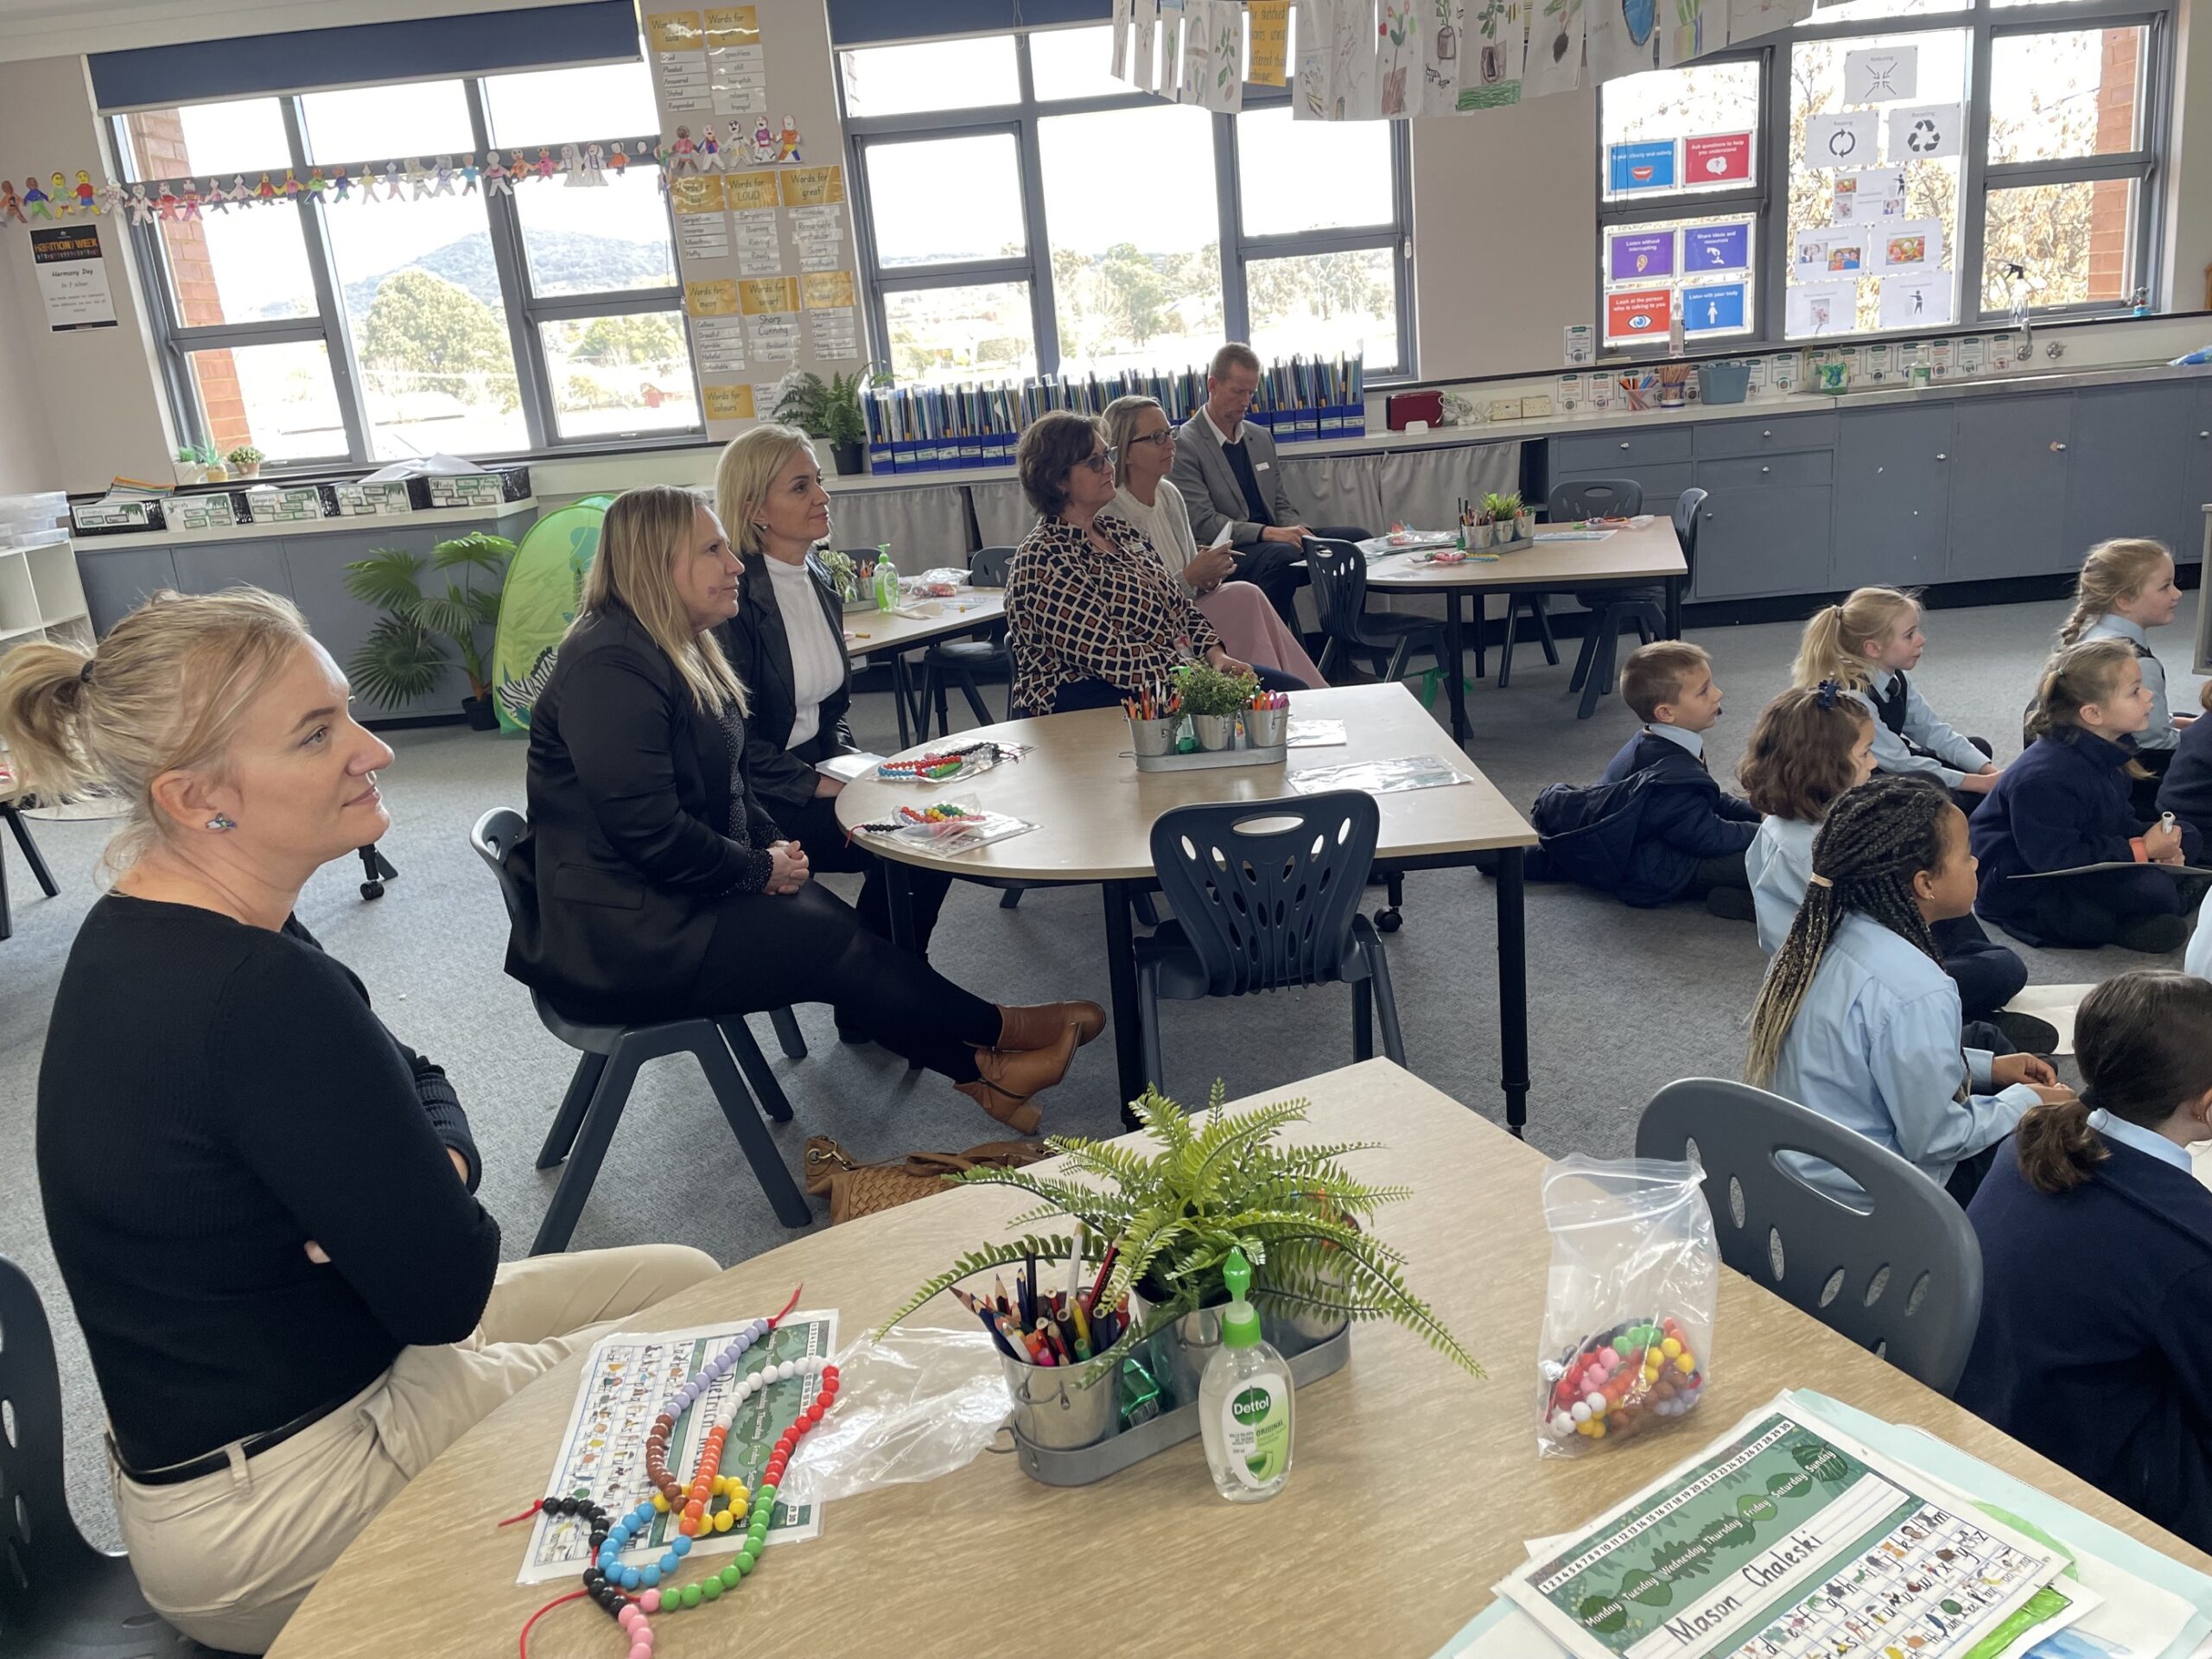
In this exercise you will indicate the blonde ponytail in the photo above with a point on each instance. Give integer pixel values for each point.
(2114, 571)
(1832, 648)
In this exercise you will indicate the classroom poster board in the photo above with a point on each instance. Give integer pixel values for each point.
(765, 246)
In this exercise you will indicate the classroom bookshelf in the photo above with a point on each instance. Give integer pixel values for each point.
(40, 597)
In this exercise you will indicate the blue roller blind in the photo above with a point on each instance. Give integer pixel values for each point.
(256, 66)
(862, 22)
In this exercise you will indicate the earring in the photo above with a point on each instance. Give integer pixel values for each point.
(757, 524)
(220, 821)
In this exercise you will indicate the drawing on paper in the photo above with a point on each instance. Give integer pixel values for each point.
(1640, 17)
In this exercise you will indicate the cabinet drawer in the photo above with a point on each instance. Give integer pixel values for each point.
(1756, 472)
(1754, 436)
(1619, 453)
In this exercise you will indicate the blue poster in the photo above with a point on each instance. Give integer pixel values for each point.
(1716, 247)
(1642, 166)
(1714, 310)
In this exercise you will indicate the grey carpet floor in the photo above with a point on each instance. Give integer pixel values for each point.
(1622, 1001)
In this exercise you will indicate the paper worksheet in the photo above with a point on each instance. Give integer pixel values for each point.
(626, 1379)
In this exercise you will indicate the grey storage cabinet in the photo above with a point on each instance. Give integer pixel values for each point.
(1619, 454)
(1893, 497)
(2130, 443)
(1774, 435)
(118, 582)
(2010, 457)
(2197, 475)
(1765, 527)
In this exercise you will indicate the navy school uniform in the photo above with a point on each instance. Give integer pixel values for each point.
(2186, 789)
(2095, 1341)
(1682, 825)
(2065, 802)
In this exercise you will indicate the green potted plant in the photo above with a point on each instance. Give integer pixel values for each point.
(245, 460)
(188, 465)
(844, 424)
(405, 653)
(1173, 1211)
(800, 396)
(1213, 699)
(1504, 512)
(213, 468)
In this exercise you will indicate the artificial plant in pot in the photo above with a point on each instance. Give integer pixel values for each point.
(245, 460)
(189, 467)
(829, 410)
(1171, 1211)
(1212, 699)
(1504, 512)
(404, 654)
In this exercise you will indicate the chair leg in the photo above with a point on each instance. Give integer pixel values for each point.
(570, 1118)
(39, 872)
(611, 1095)
(756, 1068)
(1148, 1025)
(1146, 912)
(1363, 1021)
(1588, 654)
(975, 696)
(1603, 643)
(1386, 999)
(1542, 615)
(789, 1037)
(753, 1137)
(7, 926)
(1328, 655)
(1397, 668)
(936, 706)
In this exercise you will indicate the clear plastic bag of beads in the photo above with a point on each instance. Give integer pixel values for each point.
(918, 1403)
(1627, 1341)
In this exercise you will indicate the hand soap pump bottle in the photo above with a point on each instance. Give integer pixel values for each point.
(1244, 1400)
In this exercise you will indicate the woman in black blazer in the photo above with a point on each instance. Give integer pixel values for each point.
(653, 883)
(787, 644)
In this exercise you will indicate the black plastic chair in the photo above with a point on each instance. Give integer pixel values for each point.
(1899, 1273)
(13, 813)
(1686, 512)
(612, 1056)
(958, 662)
(59, 1598)
(1338, 572)
(1612, 610)
(1266, 895)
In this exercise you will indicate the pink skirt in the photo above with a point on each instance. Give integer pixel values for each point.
(1251, 631)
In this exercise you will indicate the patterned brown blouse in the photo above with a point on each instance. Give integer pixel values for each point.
(1075, 612)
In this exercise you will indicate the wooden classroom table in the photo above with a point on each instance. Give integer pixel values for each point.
(1411, 1487)
(1631, 554)
(1094, 812)
(868, 633)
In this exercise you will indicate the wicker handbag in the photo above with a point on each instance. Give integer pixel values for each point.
(863, 1189)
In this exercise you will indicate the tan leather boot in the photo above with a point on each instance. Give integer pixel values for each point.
(1038, 1026)
(1009, 1079)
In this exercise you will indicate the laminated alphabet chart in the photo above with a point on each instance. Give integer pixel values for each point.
(626, 1380)
(1790, 1540)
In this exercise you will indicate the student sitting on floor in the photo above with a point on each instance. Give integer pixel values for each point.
(1865, 644)
(1657, 827)
(2126, 588)
(1807, 749)
(2095, 1341)
(1856, 1019)
(2064, 804)
(2186, 789)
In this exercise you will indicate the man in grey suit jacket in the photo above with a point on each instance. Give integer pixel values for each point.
(1227, 472)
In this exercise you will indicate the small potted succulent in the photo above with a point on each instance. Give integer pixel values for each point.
(1505, 513)
(245, 460)
(1213, 699)
(212, 466)
(189, 467)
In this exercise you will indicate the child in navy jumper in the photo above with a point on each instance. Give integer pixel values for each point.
(1691, 838)
(2064, 803)
(2095, 1341)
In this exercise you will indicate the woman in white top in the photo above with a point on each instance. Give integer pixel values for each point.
(787, 642)
(1137, 430)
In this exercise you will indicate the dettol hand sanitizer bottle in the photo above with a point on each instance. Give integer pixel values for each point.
(1244, 1400)
(887, 580)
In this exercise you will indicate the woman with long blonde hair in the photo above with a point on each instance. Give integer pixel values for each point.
(262, 1203)
(655, 883)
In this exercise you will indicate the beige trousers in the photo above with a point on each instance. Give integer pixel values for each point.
(228, 1557)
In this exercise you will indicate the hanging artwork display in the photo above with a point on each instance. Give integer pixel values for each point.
(1623, 37)
(1315, 28)
(1144, 42)
(1500, 42)
(1444, 26)
(1224, 90)
(1397, 61)
(1555, 48)
(1269, 24)
(1351, 69)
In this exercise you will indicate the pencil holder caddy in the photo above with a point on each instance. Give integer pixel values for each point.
(1267, 728)
(1215, 732)
(1153, 737)
(1063, 1408)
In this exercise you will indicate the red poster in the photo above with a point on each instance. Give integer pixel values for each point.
(1717, 159)
(1639, 314)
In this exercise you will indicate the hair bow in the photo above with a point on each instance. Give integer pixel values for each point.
(1827, 692)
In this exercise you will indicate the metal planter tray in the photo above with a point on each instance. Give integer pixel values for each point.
(1204, 759)
(1110, 1456)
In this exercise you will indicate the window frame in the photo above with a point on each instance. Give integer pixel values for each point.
(1237, 251)
(523, 309)
(1984, 23)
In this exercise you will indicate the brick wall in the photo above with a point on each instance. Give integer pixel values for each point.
(2112, 220)
(158, 137)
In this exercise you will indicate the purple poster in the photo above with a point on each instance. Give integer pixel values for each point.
(1716, 247)
(1640, 255)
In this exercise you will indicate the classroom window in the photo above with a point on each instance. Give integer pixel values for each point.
(1674, 133)
(361, 328)
(2074, 243)
(1137, 232)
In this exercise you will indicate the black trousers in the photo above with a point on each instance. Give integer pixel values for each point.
(2084, 912)
(1276, 570)
(1988, 974)
(810, 946)
(1726, 871)
(814, 827)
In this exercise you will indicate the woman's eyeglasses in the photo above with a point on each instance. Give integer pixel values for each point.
(1103, 461)
(1163, 437)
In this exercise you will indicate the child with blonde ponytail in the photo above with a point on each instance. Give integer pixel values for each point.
(1866, 645)
(2126, 587)
(2095, 1341)
(1857, 1019)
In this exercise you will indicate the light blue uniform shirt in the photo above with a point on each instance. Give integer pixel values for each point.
(1694, 741)
(1779, 862)
(2147, 1141)
(1875, 1047)
(1954, 756)
(2161, 733)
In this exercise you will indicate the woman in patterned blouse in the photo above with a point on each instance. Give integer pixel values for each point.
(1092, 615)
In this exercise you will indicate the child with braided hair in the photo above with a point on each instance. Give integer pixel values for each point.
(1858, 1020)
(2065, 803)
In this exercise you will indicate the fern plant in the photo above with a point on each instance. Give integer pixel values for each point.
(1175, 1213)
(405, 652)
